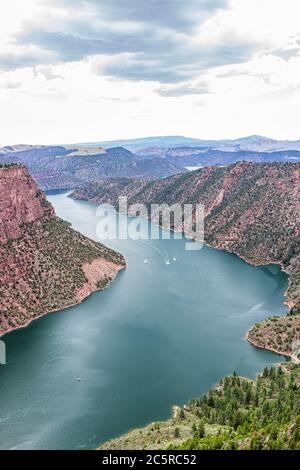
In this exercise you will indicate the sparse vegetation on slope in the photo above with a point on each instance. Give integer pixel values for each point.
(44, 264)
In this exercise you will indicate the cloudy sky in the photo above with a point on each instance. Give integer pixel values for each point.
(91, 70)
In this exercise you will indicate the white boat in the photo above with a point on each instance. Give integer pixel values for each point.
(145, 261)
(168, 262)
(174, 259)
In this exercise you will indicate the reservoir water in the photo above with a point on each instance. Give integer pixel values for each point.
(159, 335)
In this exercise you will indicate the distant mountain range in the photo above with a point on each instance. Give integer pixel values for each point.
(255, 143)
(191, 157)
(44, 264)
(69, 166)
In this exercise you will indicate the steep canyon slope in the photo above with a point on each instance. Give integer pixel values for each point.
(252, 210)
(56, 167)
(44, 264)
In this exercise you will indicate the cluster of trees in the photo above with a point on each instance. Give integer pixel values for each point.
(264, 414)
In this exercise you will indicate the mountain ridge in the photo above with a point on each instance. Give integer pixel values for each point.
(242, 143)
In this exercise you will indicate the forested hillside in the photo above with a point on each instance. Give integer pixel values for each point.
(237, 414)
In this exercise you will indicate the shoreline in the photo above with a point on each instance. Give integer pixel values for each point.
(253, 343)
(56, 310)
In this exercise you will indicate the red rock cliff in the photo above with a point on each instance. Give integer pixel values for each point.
(21, 202)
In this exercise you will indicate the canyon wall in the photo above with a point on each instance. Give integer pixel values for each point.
(44, 264)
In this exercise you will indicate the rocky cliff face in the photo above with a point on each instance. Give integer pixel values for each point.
(44, 264)
(20, 202)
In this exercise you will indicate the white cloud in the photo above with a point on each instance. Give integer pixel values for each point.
(240, 61)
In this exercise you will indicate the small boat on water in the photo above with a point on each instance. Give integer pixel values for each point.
(168, 262)
(174, 259)
(79, 379)
(145, 261)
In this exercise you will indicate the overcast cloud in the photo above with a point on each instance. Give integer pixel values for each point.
(136, 61)
(149, 40)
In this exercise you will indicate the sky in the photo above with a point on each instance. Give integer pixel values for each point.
(92, 70)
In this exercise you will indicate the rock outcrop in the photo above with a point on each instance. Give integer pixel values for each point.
(55, 167)
(44, 264)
